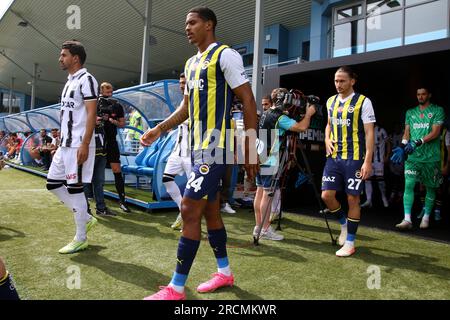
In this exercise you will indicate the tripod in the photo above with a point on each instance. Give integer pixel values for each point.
(288, 158)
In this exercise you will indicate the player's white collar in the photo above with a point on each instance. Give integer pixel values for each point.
(349, 97)
(76, 74)
(212, 45)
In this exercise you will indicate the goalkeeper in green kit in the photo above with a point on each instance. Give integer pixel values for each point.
(421, 148)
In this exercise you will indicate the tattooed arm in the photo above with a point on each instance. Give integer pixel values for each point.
(175, 119)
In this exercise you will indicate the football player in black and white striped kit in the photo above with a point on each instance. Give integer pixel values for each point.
(380, 157)
(179, 162)
(73, 162)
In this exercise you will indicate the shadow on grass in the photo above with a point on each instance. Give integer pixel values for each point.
(140, 276)
(10, 234)
(264, 249)
(129, 227)
(403, 260)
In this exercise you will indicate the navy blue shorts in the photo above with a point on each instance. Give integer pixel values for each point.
(203, 183)
(344, 175)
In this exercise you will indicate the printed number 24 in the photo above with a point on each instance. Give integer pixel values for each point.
(196, 184)
(351, 183)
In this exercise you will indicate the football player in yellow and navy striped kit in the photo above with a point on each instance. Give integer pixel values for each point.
(214, 75)
(349, 142)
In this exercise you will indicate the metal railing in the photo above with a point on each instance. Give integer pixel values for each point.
(249, 70)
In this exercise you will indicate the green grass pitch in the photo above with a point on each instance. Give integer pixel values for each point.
(129, 256)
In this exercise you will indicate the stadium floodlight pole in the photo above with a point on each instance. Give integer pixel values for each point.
(146, 41)
(258, 50)
(10, 100)
(33, 86)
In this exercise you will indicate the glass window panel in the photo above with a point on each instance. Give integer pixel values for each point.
(426, 22)
(348, 38)
(349, 12)
(384, 31)
(151, 106)
(375, 7)
(413, 2)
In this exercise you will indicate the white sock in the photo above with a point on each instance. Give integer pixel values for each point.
(369, 190)
(64, 196)
(174, 192)
(179, 289)
(38, 161)
(80, 214)
(349, 243)
(226, 271)
(408, 217)
(426, 217)
(276, 203)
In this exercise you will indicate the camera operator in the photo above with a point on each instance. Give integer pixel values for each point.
(112, 114)
(278, 116)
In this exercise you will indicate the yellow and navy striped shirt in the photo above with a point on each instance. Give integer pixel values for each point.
(210, 100)
(347, 127)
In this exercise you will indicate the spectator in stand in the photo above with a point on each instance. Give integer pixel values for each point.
(41, 152)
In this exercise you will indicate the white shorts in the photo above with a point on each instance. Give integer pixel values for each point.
(64, 166)
(377, 169)
(178, 165)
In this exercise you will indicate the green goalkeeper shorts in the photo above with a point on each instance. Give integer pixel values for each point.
(428, 173)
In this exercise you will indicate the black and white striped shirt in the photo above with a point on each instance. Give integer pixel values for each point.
(80, 87)
(182, 146)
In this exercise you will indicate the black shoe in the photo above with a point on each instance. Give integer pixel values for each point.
(124, 207)
(105, 212)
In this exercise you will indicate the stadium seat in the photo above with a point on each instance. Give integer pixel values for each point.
(149, 162)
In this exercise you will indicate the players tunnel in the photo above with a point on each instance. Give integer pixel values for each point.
(388, 77)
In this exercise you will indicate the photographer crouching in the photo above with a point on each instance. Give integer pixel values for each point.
(112, 115)
(291, 111)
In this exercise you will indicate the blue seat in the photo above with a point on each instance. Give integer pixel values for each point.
(138, 161)
(148, 166)
(142, 158)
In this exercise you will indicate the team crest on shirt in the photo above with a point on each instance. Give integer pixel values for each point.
(358, 174)
(430, 115)
(351, 109)
(204, 169)
(205, 64)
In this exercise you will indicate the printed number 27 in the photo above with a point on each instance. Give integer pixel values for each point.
(351, 183)
(196, 184)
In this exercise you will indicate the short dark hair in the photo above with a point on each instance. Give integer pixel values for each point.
(182, 75)
(75, 48)
(267, 97)
(206, 14)
(348, 71)
(55, 129)
(424, 87)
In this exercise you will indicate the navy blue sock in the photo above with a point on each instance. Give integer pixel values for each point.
(340, 214)
(352, 227)
(187, 249)
(218, 241)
